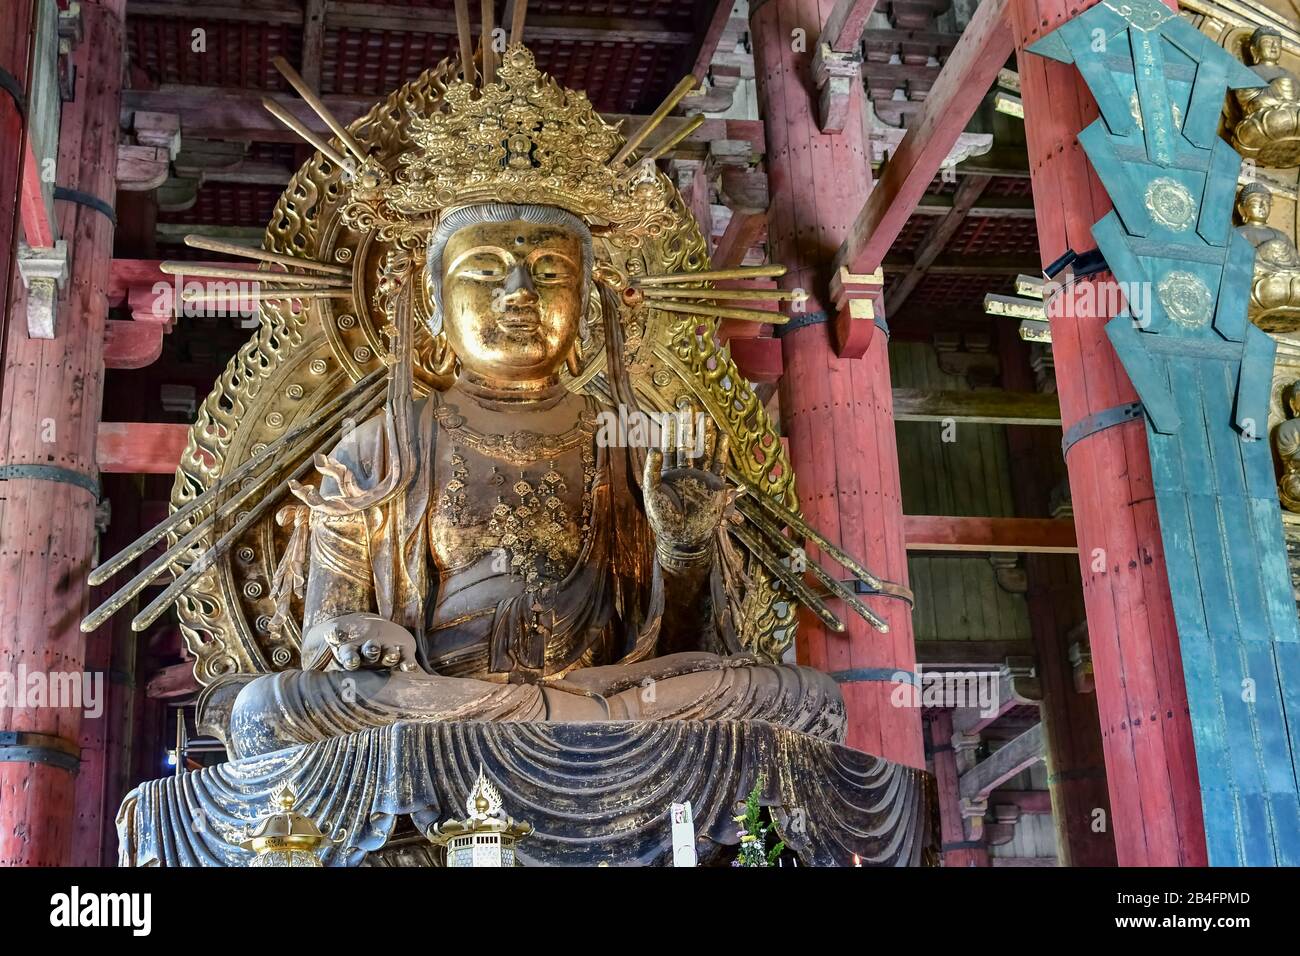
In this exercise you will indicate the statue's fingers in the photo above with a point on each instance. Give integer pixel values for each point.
(348, 657)
(720, 448)
(667, 436)
(371, 651)
(683, 441)
(392, 656)
(654, 465)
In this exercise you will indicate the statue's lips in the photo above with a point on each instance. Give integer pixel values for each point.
(520, 321)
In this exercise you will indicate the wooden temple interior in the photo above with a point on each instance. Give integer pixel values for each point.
(909, 160)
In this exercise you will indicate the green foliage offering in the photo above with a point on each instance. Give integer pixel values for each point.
(754, 831)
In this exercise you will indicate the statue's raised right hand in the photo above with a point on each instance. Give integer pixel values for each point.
(365, 641)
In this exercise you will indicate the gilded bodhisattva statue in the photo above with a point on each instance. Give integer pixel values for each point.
(490, 278)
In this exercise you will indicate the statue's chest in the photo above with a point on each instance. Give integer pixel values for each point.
(518, 499)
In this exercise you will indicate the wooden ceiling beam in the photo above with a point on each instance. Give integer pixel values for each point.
(986, 207)
(964, 265)
(936, 240)
(382, 17)
(985, 406)
(968, 75)
(846, 24)
(984, 535)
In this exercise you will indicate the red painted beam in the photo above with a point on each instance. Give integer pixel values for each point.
(140, 448)
(947, 533)
(966, 77)
(846, 24)
(132, 273)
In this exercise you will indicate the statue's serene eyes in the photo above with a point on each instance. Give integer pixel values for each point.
(550, 268)
(484, 266)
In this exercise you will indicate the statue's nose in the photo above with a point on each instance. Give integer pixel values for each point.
(519, 286)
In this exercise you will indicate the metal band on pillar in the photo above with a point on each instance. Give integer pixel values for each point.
(9, 83)
(50, 473)
(87, 200)
(897, 675)
(17, 746)
(1099, 421)
(819, 317)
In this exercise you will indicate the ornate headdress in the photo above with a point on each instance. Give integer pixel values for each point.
(521, 139)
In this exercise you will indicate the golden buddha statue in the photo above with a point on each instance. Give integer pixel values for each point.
(1269, 129)
(521, 572)
(413, 538)
(1275, 290)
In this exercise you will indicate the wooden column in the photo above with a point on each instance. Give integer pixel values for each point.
(106, 739)
(838, 413)
(1150, 765)
(1075, 760)
(955, 847)
(49, 411)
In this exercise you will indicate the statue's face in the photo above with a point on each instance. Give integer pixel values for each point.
(512, 298)
(1255, 207)
(1267, 48)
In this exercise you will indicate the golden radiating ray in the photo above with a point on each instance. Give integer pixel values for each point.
(793, 583)
(345, 400)
(743, 295)
(183, 580)
(517, 21)
(773, 533)
(319, 108)
(689, 127)
(719, 311)
(209, 244)
(265, 296)
(783, 515)
(305, 134)
(466, 42)
(137, 584)
(712, 275)
(684, 86)
(173, 267)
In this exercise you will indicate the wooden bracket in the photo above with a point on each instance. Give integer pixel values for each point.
(835, 75)
(859, 302)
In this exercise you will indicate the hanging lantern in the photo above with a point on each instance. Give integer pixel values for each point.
(285, 837)
(487, 837)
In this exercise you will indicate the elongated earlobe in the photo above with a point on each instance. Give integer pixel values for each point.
(574, 361)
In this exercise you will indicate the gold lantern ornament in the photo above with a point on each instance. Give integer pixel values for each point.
(285, 837)
(487, 837)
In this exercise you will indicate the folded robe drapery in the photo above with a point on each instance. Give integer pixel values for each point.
(594, 792)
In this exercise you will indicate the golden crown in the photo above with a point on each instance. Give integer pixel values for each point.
(520, 139)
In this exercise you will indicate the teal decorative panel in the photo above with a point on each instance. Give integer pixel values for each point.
(1203, 373)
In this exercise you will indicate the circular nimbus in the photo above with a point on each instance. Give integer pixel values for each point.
(1186, 298)
(1170, 204)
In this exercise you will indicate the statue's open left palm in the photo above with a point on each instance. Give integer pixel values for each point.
(686, 497)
